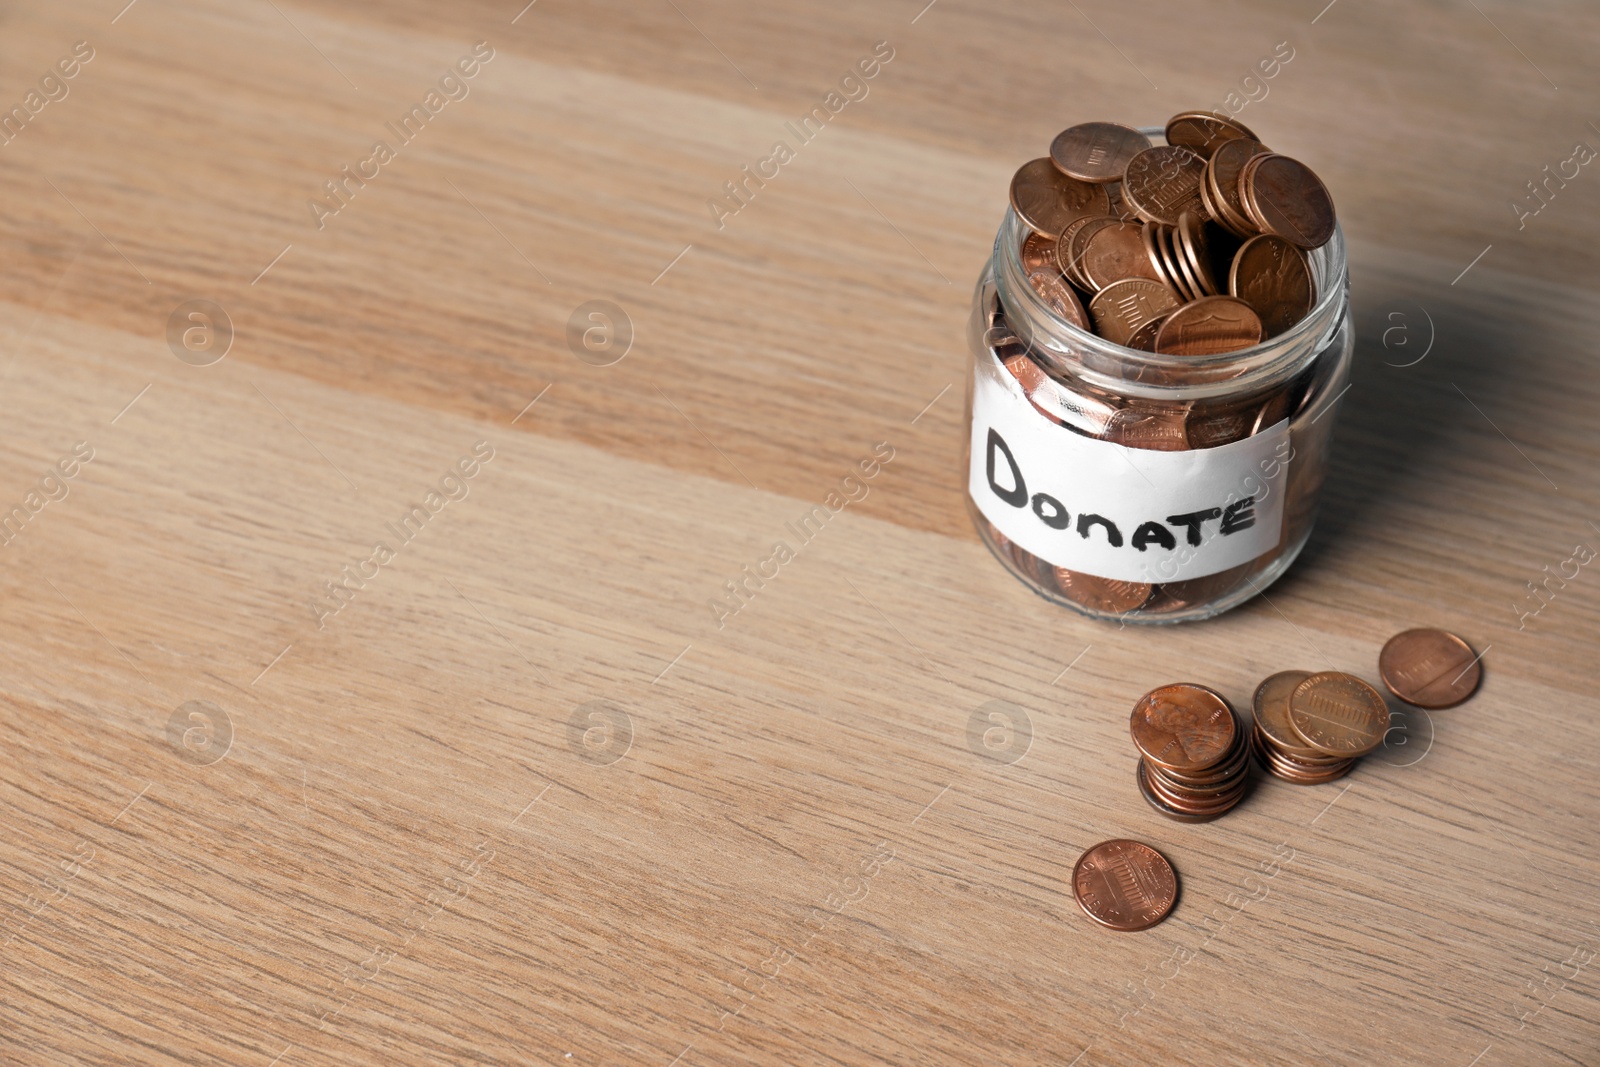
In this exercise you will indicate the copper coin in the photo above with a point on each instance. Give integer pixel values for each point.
(1153, 428)
(1119, 203)
(1070, 249)
(1192, 243)
(1048, 200)
(1214, 804)
(1122, 307)
(1338, 714)
(1187, 592)
(1204, 131)
(1116, 252)
(1274, 411)
(1152, 251)
(1144, 338)
(1272, 276)
(1429, 668)
(1209, 326)
(1109, 596)
(1125, 885)
(1167, 241)
(1183, 726)
(1096, 151)
(1163, 182)
(1028, 373)
(1222, 179)
(1278, 768)
(1286, 197)
(1058, 297)
(1271, 709)
(1156, 801)
(1038, 253)
(1220, 427)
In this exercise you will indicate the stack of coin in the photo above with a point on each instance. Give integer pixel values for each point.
(1194, 753)
(1312, 728)
(1191, 248)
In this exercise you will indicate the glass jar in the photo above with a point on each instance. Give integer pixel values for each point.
(1140, 487)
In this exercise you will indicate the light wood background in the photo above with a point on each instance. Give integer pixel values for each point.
(406, 855)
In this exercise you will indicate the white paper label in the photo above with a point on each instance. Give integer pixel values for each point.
(1133, 514)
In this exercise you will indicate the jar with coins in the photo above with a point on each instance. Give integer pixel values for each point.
(1160, 340)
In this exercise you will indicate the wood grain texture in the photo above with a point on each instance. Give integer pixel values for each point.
(780, 848)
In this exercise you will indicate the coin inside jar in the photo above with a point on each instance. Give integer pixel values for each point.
(1047, 200)
(1285, 197)
(1163, 182)
(1096, 151)
(1270, 274)
(1204, 131)
(1108, 595)
(1038, 253)
(1429, 668)
(1182, 726)
(1196, 252)
(1338, 714)
(1125, 885)
(1058, 297)
(1115, 252)
(1209, 326)
(1122, 307)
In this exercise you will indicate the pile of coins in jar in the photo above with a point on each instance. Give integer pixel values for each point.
(1191, 248)
(1188, 250)
(1195, 754)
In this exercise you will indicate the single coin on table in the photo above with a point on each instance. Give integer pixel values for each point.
(1285, 197)
(1203, 131)
(1058, 297)
(1038, 253)
(1272, 276)
(1338, 714)
(1271, 708)
(1125, 885)
(1183, 726)
(1163, 182)
(1122, 307)
(1209, 326)
(1047, 200)
(1096, 151)
(1429, 668)
(1115, 252)
(1108, 595)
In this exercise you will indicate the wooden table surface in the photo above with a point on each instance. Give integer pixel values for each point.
(517, 793)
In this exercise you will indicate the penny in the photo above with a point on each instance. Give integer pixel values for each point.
(1047, 200)
(1150, 428)
(1272, 276)
(1192, 243)
(1096, 151)
(1106, 595)
(1038, 253)
(1285, 197)
(1166, 240)
(1163, 182)
(1209, 326)
(1152, 251)
(1429, 668)
(1144, 338)
(1270, 705)
(1338, 714)
(1058, 297)
(1222, 181)
(1160, 804)
(1204, 131)
(1122, 307)
(1274, 411)
(1125, 885)
(1182, 726)
(1220, 427)
(1070, 249)
(1114, 253)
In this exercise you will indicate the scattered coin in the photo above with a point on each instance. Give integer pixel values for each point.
(1270, 274)
(1096, 151)
(1125, 885)
(1338, 714)
(1163, 182)
(1047, 200)
(1429, 668)
(1209, 326)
